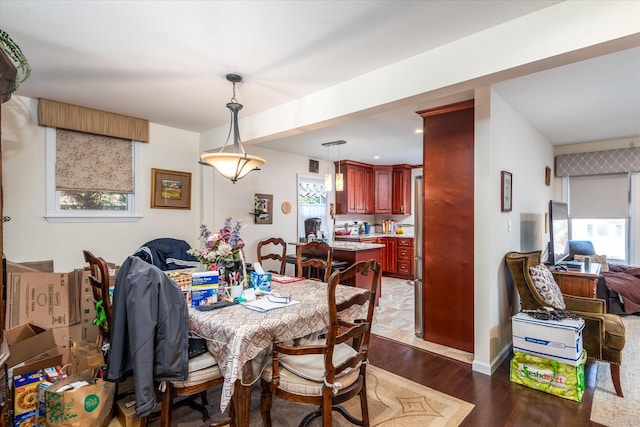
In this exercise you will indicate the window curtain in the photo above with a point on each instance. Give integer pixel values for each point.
(73, 117)
(599, 162)
(87, 162)
(599, 196)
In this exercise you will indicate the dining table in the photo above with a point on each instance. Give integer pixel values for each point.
(240, 338)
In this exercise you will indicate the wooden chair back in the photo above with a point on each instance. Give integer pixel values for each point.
(314, 259)
(99, 281)
(278, 253)
(342, 333)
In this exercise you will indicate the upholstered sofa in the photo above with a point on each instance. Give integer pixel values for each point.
(613, 301)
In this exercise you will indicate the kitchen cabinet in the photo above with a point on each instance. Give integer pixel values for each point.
(405, 260)
(383, 186)
(358, 188)
(389, 255)
(401, 192)
(369, 189)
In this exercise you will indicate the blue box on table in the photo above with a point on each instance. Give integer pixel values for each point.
(204, 278)
(261, 282)
(204, 288)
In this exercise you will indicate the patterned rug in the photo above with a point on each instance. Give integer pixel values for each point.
(607, 408)
(393, 402)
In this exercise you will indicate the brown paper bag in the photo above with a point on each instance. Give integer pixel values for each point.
(89, 405)
(85, 355)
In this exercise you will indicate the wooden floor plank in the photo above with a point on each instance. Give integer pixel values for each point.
(498, 401)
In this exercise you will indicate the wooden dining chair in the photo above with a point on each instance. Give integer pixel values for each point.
(333, 372)
(203, 371)
(99, 281)
(278, 253)
(313, 260)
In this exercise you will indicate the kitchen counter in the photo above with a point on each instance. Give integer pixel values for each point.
(352, 246)
(373, 236)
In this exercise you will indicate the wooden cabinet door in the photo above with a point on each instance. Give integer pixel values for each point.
(401, 195)
(359, 189)
(369, 192)
(383, 183)
(389, 256)
(351, 188)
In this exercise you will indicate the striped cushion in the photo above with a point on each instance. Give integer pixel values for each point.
(201, 369)
(305, 374)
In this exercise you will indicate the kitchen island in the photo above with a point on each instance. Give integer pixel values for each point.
(353, 252)
(397, 254)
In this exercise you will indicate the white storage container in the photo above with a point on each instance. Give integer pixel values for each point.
(556, 340)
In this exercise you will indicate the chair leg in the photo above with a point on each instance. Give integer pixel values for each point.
(265, 405)
(165, 412)
(615, 377)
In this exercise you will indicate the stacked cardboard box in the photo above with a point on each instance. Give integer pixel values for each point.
(548, 355)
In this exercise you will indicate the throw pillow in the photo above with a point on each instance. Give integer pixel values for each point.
(600, 259)
(547, 286)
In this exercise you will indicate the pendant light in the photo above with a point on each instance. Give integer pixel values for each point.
(339, 176)
(235, 164)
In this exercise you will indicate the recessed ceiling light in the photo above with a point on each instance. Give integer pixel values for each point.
(376, 157)
(420, 130)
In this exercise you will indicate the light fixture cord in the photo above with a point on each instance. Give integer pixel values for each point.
(233, 111)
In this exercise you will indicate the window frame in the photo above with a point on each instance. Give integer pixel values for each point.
(57, 215)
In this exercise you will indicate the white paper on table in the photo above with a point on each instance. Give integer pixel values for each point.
(265, 304)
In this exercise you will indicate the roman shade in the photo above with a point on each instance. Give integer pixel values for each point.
(599, 196)
(73, 117)
(86, 162)
(599, 162)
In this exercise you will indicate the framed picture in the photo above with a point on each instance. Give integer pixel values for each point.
(547, 176)
(506, 191)
(170, 189)
(263, 210)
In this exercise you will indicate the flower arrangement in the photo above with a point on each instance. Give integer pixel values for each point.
(221, 251)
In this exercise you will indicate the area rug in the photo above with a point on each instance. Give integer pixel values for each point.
(393, 402)
(607, 408)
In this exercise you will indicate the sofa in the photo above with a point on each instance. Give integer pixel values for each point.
(616, 282)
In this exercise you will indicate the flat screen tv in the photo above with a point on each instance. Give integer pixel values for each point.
(559, 232)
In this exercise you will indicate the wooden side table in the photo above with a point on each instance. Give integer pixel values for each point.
(576, 282)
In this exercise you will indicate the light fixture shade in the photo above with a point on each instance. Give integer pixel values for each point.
(328, 181)
(339, 182)
(233, 166)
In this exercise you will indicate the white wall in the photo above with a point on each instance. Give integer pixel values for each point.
(222, 198)
(503, 141)
(29, 237)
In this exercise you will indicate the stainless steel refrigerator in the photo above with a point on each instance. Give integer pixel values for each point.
(417, 239)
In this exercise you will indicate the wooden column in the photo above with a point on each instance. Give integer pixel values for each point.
(447, 225)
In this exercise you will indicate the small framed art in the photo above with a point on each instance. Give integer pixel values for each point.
(170, 189)
(506, 190)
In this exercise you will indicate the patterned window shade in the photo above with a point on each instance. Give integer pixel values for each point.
(599, 162)
(87, 162)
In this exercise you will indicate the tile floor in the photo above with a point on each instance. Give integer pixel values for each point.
(394, 319)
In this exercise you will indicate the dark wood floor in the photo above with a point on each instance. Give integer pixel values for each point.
(498, 401)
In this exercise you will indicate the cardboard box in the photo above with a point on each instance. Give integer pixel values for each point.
(261, 282)
(25, 398)
(29, 342)
(64, 337)
(558, 340)
(204, 295)
(31, 266)
(43, 299)
(204, 278)
(549, 376)
(41, 417)
(126, 408)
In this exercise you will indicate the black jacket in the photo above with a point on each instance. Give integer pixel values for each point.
(149, 335)
(167, 254)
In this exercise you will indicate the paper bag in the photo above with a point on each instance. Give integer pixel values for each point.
(85, 355)
(89, 405)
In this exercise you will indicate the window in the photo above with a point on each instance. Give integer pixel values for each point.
(598, 207)
(96, 202)
(312, 202)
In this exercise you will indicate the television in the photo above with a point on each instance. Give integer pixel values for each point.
(558, 232)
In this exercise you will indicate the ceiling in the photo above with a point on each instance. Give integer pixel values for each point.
(166, 62)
